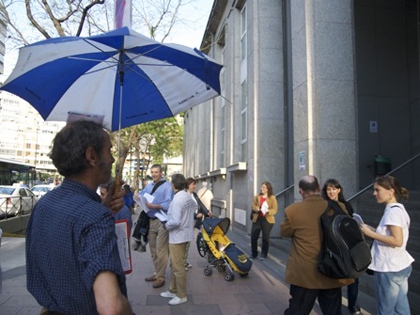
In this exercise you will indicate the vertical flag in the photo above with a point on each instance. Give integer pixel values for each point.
(122, 13)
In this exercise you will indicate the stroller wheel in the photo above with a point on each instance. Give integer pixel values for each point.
(208, 272)
(201, 245)
(243, 275)
(229, 277)
(221, 268)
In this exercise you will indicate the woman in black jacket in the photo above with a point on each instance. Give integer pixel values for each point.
(332, 190)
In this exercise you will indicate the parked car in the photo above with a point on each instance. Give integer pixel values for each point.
(41, 190)
(14, 199)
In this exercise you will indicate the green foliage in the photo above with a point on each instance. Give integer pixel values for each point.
(150, 142)
(168, 141)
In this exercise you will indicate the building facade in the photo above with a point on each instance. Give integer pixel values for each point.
(25, 137)
(3, 33)
(329, 88)
(309, 87)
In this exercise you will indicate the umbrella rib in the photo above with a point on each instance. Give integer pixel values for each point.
(134, 63)
(111, 55)
(87, 59)
(146, 53)
(110, 64)
(120, 51)
(129, 66)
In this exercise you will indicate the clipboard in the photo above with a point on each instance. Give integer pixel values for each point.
(122, 231)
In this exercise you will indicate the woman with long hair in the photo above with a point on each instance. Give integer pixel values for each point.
(390, 259)
(332, 190)
(264, 208)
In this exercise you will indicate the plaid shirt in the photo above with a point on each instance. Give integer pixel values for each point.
(70, 239)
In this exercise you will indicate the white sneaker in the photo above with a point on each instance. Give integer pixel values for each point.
(176, 300)
(168, 294)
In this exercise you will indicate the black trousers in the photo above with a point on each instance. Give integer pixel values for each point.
(261, 225)
(303, 301)
(352, 293)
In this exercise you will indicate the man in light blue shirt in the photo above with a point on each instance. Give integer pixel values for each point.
(158, 235)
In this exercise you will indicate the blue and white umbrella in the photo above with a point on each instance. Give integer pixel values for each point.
(120, 76)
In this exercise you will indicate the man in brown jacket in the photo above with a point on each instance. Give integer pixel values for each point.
(302, 224)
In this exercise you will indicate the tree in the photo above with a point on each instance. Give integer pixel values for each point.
(51, 18)
(156, 139)
(86, 17)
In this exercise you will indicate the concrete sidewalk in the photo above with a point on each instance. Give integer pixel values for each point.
(262, 292)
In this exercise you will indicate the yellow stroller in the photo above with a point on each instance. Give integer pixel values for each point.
(221, 253)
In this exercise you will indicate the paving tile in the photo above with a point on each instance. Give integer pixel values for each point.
(186, 309)
(12, 310)
(29, 310)
(215, 299)
(245, 309)
(20, 301)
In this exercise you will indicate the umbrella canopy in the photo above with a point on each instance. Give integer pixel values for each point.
(121, 77)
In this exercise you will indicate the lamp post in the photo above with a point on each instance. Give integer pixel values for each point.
(36, 145)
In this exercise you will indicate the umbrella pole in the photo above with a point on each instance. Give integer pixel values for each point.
(118, 175)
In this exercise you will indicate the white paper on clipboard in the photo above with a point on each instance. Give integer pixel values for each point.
(162, 216)
(264, 207)
(122, 230)
(358, 218)
(149, 197)
(141, 201)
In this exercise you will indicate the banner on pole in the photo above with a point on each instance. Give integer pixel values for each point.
(123, 13)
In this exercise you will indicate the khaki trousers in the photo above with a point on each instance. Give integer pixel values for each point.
(159, 247)
(178, 282)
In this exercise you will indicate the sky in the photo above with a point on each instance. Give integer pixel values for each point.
(190, 35)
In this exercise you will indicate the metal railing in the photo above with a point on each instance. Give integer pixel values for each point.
(367, 187)
(284, 191)
(11, 206)
(389, 173)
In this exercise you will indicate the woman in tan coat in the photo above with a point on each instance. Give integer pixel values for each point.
(264, 208)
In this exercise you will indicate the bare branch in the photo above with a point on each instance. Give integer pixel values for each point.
(159, 21)
(85, 13)
(6, 18)
(33, 21)
(55, 22)
(173, 20)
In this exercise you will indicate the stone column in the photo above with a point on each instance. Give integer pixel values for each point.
(324, 103)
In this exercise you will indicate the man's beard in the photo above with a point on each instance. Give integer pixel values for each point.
(106, 170)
